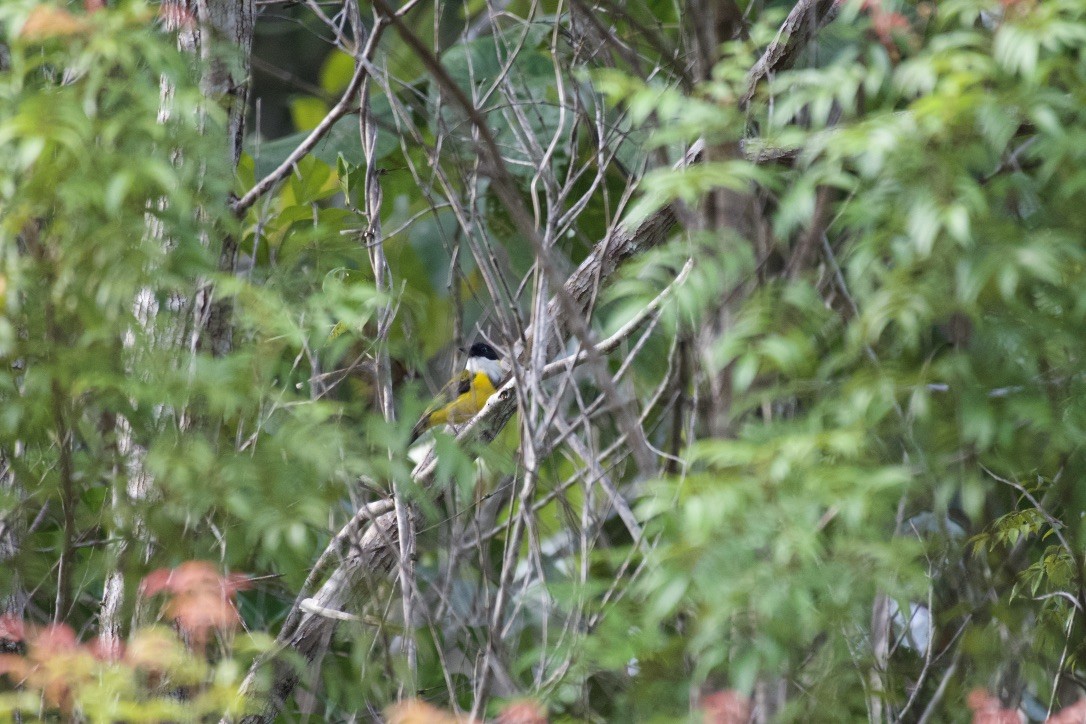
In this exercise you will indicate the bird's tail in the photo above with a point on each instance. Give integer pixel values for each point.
(420, 427)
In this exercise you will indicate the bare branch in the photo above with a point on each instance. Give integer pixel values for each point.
(373, 241)
(348, 103)
(375, 553)
(799, 28)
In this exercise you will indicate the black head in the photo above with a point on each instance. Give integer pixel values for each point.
(482, 349)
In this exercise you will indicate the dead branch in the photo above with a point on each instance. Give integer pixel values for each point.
(799, 28)
(374, 555)
(348, 103)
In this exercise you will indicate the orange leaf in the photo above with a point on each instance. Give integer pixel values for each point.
(46, 22)
(419, 712)
(14, 666)
(523, 712)
(154, 649)
(198, 612)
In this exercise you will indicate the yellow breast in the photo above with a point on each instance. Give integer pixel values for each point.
(464, 407)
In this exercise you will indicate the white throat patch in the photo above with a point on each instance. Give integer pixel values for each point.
(491, 367)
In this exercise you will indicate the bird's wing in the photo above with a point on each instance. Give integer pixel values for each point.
(463, 384)
(455, 387)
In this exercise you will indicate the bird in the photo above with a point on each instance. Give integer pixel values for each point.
(468, 392)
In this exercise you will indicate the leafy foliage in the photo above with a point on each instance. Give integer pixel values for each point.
(126, 443)
(834, 476)
(928, 362)
(153, 676)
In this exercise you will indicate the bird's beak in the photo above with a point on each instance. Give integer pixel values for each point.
(463, 349)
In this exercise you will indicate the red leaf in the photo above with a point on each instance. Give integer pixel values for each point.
(235, 582)
(1074, 714)
(155, 582)
(987, 709)
(193, 576)
(11, 628)
(111, 649)
(725, 707)
(201, 599)
(56, 638)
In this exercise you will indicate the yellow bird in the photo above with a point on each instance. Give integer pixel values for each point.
(482, 376)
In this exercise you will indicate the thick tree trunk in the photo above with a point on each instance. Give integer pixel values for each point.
(220, 34)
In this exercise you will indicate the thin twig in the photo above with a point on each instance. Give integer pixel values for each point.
(937, 697)
(348, 103)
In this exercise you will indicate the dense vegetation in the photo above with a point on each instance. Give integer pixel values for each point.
(792, 295)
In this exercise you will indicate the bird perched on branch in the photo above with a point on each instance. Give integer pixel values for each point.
(467, 392)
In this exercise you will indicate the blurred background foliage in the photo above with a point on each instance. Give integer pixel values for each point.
(862, 405)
